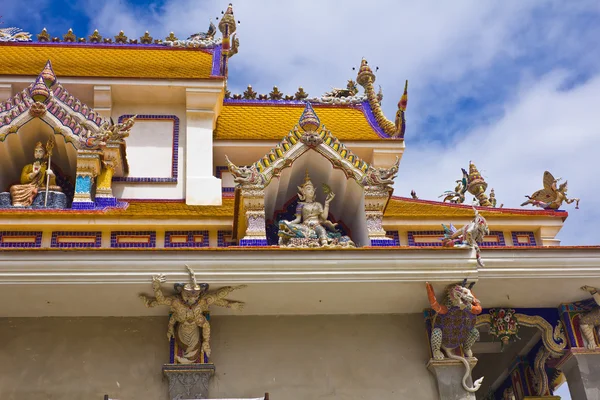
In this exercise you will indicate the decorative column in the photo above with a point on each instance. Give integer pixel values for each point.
(104, 193)
(376, 198)
(88, 167)
(188, 381)
(448, 375)
(582, 370)
(253, 198)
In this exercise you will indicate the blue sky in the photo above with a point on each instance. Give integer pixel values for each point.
(510, 85)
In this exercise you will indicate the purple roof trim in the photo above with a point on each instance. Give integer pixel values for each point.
(216, 67)
(366, 109)
(109, 45)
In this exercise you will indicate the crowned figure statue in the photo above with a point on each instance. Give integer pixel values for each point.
(34, 178)
(311, 228)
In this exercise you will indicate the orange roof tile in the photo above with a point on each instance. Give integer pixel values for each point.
(105, 61)
(401, 207)
(268, 121)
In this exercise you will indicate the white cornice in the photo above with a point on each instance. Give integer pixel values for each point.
(89, 267)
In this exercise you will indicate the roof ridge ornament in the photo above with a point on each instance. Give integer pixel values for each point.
(395, 129)
(14, 34)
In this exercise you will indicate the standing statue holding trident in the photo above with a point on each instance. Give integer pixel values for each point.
(49, 148)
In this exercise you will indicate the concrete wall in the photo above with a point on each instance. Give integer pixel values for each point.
(324, 357)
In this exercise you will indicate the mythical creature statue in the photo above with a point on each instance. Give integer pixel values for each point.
(591, 321)
(458, 195)
(469, 235)
(453, 326)
(245, 175)
(208, 35)
(109, 131)
(311, 227)
(381, 176)
(14, 35)
(34, 178)
(551, 197)
(350, 91)
(188, 308)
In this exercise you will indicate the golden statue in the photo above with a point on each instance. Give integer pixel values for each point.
(551, 197)
(311, 224)
(34, 177)
(188, 310)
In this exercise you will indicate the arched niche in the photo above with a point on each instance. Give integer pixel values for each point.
(16, 151)
(347, 207)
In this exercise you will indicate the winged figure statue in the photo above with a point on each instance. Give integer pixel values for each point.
(551, 196)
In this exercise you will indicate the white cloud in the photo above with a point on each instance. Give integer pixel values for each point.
(512, 56)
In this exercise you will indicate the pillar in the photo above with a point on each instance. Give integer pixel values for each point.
(254, 211)
(88, 167)
(201, 186)
(376, 199)
(582, 370)
(104, 193)
(448, 375)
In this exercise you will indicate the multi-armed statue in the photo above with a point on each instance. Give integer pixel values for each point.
(188, 323)
(311, 227)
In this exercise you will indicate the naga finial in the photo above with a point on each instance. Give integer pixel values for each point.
(395, 129)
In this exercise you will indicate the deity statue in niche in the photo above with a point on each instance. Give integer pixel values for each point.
(311, 228)
(38, 178)
(188, 323)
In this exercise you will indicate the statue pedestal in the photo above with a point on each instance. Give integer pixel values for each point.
(449, 374)
(188, 381)
(56, 200)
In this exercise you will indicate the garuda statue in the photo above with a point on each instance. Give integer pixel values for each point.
(551, 197)
(188, 323)
(453, 326)
(591, 321)
(311, 228)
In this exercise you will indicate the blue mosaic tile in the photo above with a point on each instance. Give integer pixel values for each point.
(499, 243)
(190, 239)
(174, 151)
(412, 234)
(96, 235)
(83, 205)
(36, 235)
(254, 242)
(530, 235)
(83, 184)
(151, 235)
(102, 202)
(382, 243)
(394, 236)
(224, 238)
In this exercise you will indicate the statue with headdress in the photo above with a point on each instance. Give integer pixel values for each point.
(188, 323)
(311, 228)
(551, 196)
(35, 177)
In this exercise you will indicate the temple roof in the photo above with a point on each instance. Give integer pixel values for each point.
(398, 207)
(401, 207)
(271, 120)
(108, 60)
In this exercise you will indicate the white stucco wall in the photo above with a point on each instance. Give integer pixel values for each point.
(314, 357)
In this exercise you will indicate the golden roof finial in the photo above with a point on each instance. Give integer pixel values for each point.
(70, 37)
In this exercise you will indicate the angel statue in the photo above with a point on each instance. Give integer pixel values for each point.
(188, 323)
(550, 197)
(311, 225)
(458, 195)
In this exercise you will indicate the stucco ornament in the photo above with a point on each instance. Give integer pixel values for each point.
(504, 325)
(591, 321)
(453, 326)
(469, 235)
(311, 228)
(188, 323)
(245, 175)
(551, 196)
(457, 196)
(14, 35)
(383, 177)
